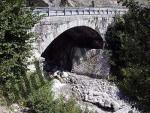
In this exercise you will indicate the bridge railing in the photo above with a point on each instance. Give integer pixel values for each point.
(79, 11)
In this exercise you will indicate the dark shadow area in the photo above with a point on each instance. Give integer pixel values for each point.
(104, 108)
(36, 3)
(59, 54)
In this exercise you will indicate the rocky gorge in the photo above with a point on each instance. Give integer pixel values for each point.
(89, 84)
(97, 95)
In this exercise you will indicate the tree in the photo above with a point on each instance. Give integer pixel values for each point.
(15, 43)
(129, 40)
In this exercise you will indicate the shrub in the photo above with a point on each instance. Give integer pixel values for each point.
(15, 45)
(129, 40)
(41, 101)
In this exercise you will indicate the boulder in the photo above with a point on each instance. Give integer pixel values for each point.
(64, 75)
(98, 94)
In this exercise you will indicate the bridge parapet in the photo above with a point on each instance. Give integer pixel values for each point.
(80, 11)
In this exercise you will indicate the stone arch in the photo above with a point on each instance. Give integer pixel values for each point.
(49, 30)
(60, 52)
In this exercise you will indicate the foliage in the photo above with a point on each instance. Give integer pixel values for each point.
(28, 84)
(129, 40)
(41, 101)
(15, 45)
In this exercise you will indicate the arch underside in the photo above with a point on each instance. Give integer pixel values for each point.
(63, 50)
(51, 28)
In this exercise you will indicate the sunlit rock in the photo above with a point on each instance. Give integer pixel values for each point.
(96, 94)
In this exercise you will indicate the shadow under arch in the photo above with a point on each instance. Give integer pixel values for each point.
(59, 54)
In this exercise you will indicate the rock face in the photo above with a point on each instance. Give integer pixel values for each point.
(14, 108)
(3, 109)
(96, 94)
(80, 3)
(93, 62)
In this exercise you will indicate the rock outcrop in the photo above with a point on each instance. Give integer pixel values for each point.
(96, 94)
(80, 3)
(94, 62)
(87, 3)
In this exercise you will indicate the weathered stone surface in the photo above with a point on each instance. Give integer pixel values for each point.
(93, 62)
(14, 108)
(57, 88)
(83, 3)
(50, 28)
(3, 109)
(79, 3)
(97, 94)
(64, 75)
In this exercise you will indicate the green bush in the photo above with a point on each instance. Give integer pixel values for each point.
(41, 101)
(128, 38)
(136, 85)
(19, 91)
(15, 45)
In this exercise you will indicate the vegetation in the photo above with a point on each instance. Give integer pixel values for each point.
(15, 45)
(129, 40)
(16, 85)
(41, 101)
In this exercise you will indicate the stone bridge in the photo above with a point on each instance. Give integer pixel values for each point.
(74, 23)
